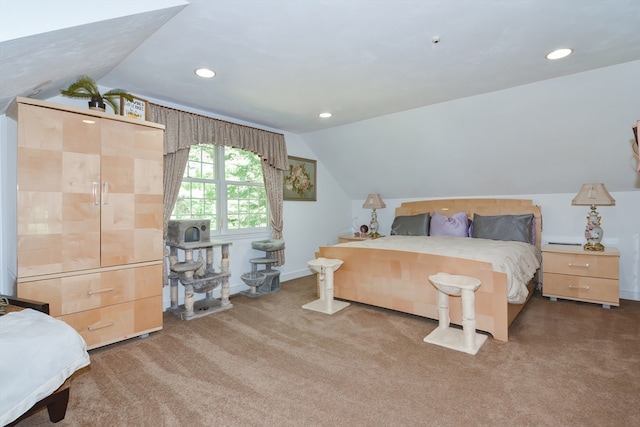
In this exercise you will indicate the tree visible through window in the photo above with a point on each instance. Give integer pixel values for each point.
(223, 183)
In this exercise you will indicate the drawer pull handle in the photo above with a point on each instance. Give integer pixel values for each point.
(579, 265)
(99, 291)
(95, 328)
(586, 288)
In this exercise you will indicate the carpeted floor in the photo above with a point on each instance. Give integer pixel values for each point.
(268, 362)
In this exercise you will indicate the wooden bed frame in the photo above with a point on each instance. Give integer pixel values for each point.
(399, 281)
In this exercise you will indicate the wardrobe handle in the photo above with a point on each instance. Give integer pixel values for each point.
(96, 187)
(105, 193)
(95, 328)
(99, 291)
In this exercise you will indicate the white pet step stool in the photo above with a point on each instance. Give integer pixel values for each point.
(466, 340)
(325, 267)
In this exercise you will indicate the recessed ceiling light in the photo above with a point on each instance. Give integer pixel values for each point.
(559, 53)
(205, 73)
(325, 115)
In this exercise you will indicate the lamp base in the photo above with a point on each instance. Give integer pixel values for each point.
(374, 235)
(593, 232)
(593, 247)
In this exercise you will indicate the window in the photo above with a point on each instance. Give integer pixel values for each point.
(225, 185)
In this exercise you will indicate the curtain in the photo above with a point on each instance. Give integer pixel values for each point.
(182, 129)
(273, 180)
(174, 165)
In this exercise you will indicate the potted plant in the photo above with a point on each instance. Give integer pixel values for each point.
(86, 88)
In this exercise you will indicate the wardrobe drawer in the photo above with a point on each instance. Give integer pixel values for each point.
(75, 293)
(114, 323)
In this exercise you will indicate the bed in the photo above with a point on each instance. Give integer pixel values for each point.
(39, 355)
(397, 279)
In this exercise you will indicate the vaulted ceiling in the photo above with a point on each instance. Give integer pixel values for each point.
(279, 63)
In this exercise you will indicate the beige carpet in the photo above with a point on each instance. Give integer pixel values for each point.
(268, 362)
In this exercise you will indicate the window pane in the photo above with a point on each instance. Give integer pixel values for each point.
(248, 209)
(197, 196)
(240, 165)
(208, 161)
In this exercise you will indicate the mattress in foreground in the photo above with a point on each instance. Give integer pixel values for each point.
(37, 354)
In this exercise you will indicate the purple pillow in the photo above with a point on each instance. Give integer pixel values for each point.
(457, 225)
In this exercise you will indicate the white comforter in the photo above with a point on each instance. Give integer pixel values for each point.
(37, 354)
(518, 260)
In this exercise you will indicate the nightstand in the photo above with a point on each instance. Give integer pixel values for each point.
(570, 272)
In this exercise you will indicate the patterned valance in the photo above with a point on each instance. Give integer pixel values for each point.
(183, 129)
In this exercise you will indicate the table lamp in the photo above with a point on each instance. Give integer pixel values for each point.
(592, 195)
(374, 201)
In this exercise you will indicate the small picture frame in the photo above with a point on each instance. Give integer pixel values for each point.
(137, 109)
(300, 180)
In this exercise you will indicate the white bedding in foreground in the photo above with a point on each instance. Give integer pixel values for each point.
(37, 354)
(518, 260)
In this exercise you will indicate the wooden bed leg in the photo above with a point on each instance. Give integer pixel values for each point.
(56, 404)
(58, 407)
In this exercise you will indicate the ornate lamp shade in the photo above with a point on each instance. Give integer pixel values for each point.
(374, 201)
(593, 195)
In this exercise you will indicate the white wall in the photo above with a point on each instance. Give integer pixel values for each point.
(562, 222)
(546, 137)
(8, 213)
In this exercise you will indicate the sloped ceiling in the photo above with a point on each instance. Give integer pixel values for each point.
(39, 65)
(279, 63)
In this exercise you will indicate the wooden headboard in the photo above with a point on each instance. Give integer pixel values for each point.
(486, 207)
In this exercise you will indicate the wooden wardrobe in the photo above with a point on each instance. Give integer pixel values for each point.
(89, 218)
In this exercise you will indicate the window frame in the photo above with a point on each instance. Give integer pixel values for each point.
(220, 228)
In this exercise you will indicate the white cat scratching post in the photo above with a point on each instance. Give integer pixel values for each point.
(466, 340)
(325, 267)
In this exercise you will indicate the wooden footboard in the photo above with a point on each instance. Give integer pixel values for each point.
(400, 281)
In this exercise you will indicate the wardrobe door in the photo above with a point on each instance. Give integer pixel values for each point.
(58, 198)
(132, 196)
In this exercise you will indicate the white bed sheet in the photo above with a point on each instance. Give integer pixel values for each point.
(37, 354)
(518, 260)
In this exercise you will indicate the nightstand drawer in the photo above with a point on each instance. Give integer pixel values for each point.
(582, 288)
(582, 264)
